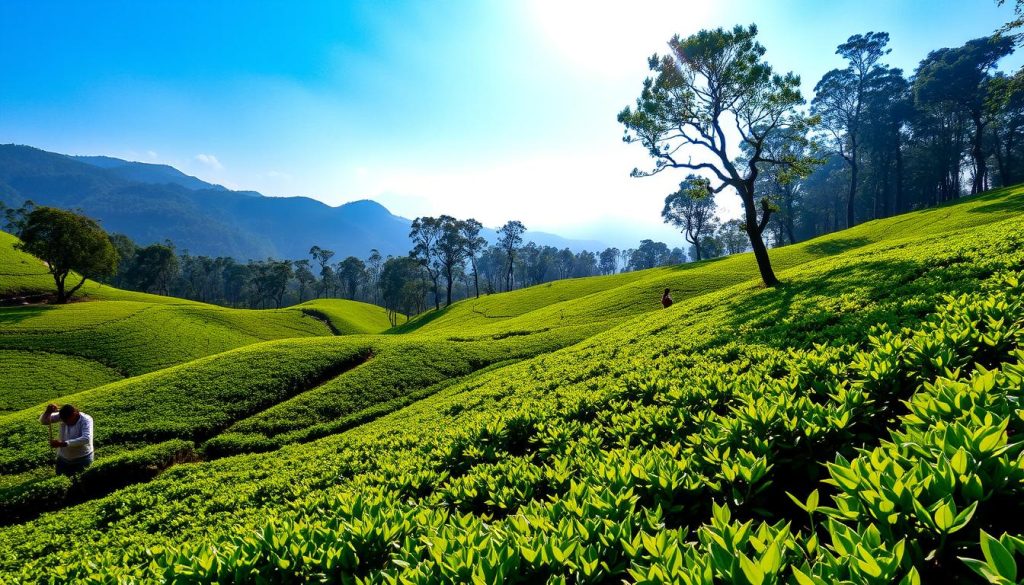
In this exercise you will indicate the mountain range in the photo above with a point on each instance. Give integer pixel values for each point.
(152, 202)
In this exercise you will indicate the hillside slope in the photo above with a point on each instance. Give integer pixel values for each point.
(658, 450)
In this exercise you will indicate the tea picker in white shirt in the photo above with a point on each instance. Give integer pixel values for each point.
(74, 447)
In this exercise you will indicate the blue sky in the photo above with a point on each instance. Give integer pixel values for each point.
(498, 110)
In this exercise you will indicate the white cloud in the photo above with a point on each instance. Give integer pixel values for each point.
(152, 155)
(210, 161)
(278, 175)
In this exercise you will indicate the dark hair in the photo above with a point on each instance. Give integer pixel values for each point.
(666, 291)
(67, 411)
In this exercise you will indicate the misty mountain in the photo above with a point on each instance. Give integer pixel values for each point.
(152, 203)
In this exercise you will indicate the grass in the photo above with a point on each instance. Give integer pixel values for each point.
(638, 444)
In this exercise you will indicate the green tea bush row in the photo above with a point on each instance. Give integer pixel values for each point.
(49, 492)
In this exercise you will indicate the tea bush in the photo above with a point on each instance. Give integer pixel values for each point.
(859, 423)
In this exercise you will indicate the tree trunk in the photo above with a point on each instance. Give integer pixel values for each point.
(788, 220)
(476, 279)
(764, 264)
(977, 151)
(897, 205)
(448, 298)
(854, 168)
(59, 281)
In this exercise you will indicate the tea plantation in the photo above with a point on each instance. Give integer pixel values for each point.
(861, 423)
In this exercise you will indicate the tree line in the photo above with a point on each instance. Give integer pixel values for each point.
(873, 142)
(449, 260)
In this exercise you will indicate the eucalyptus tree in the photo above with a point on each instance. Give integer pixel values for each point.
(510, 237)
(1006, 107)
(839, 102)
(323, 257)
(714, 87)
(374, 264)
(692, 210)
(351, 272)
(304, 276)
(609, 261)
(424, 235)
(732, 236)
(958, 78)
(450, 250)
(474, 244)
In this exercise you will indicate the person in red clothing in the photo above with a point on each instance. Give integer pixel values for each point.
(666, 301)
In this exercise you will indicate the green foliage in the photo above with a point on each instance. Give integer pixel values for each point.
(347, 317)
(859, 424)
(67, 242)
(32, 378)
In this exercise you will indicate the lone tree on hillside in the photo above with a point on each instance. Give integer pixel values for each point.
(692, 210)
(510, 237)
(68, 242)
(840, 101)
(714, 86)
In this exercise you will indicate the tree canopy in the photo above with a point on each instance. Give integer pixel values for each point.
(68, 242)
(712, 80)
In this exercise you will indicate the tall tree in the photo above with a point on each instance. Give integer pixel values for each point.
(403, 287)
(304, 276)
(510, 237)
(154, 269)
(276, 278)
(451, 251)
(732, 236)
(609, 262)
(649, 254)
(712, 79)
(323, 257)
(475, 244)
(68, 242)
(959, 77)
(839, 101)
(424, 235)
(692, 210)
(374, 264)
(351, 272)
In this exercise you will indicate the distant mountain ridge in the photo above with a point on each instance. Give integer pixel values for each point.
(152, 202)
(140, 172)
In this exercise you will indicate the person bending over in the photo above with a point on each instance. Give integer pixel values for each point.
(74, 447)
(666, 300)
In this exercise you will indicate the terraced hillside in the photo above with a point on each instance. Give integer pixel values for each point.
(856, 423)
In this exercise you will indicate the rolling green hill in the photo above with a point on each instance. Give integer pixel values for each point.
(857, 423)
(347, 317)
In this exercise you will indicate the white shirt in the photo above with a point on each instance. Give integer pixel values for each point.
(78, 436)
